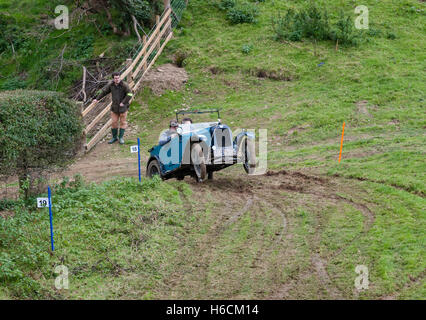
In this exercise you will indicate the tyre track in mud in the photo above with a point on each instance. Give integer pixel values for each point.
(320, 263)
(411, 283)
(199, 255)
(235, 193)
(236, 216)
(256, 188)
(391, 185)
(262, 192)
(266, 251)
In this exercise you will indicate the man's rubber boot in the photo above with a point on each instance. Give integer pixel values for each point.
(121, 136)
(114, 136)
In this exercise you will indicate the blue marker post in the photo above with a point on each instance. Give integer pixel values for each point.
(51, 217)
(139, 158)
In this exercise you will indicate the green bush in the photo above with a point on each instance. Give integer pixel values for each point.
(83, 48)
(285, 28)
(10, 34)
(313, 23)
(40, 130)
(242, 13)
(391, 36)
(13, 84)
(343, 31)
(373, 32)
(227, 4)
(143, 10)
(308, 23)
(246, 49)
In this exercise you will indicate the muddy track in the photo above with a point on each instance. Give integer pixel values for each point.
(197, 257)
(395, 186)
(263, 192)
(319, 262)
(411, 283)
(237, 197)
(235, 217)
(327, 193)
(369, 218)
(321, 188)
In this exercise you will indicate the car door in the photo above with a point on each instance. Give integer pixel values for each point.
(170, 154)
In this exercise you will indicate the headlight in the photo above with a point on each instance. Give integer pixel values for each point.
(250, 135)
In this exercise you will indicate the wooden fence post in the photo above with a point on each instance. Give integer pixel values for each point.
(166, 6)
(129, 77)
(144, 44)
(84, 137)
(157, 20)
(83, 88)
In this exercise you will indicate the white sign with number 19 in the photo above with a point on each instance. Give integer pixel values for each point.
(134, 149)
(42, 202)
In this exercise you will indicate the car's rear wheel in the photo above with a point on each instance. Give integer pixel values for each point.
(249, 156)
(153, 169)
(198, 162)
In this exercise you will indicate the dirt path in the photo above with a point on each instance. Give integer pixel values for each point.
(105, 162)
(261, 257)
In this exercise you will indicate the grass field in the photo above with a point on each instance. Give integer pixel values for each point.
(297, 232)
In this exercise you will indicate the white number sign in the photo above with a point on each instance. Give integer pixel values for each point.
(134, 149)
(42, 202)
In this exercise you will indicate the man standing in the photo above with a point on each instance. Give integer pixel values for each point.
(121, 96)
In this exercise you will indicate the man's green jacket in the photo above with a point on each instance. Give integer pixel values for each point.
(120, 93)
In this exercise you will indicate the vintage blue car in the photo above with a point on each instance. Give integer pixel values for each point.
(199, 149)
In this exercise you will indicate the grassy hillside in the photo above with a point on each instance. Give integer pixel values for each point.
(38, 45)
(376, 88)
(106, 234)
(296, 233)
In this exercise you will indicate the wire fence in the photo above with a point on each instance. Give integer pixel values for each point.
(98, 71)
(150, 48)
(178, 7)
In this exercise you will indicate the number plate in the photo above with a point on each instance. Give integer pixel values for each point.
(134, 149)
(223, 155)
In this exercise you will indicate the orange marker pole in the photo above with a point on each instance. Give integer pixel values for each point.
(341, 142)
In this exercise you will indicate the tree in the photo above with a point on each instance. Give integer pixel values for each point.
(41, 131)
(120, 12)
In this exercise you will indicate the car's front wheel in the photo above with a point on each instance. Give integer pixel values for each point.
(153, 169)
(249, 156)
(198, 162)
